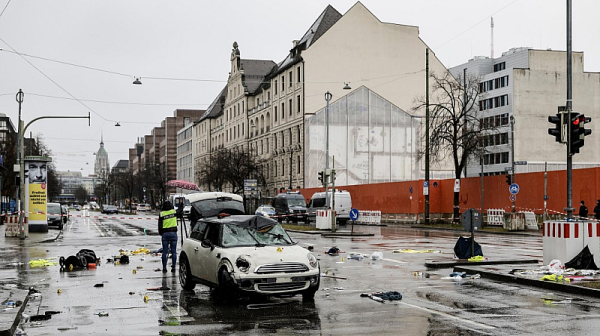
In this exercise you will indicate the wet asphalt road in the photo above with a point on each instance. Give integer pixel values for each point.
(430, 306)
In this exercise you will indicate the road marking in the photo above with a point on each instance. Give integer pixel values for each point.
(96, 226)
(480, 325)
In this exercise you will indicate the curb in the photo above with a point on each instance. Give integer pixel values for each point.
(463, 262)
(554, 286)
(346, 234)
(478, 231)
(9, 330)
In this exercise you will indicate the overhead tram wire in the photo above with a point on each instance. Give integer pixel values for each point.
(5, 8)
(55, 83)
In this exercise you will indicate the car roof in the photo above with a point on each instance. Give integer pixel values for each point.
(258, 222)
(213, 194)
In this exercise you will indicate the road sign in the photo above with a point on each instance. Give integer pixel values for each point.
(513, 198)
(514, 189)
(457, 185)
(425, 188)
(354, 214)
(520, 162)
(507, 169)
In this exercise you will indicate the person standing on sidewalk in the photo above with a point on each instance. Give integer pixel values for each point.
(597, 210)
(167, 228)
(583, 210)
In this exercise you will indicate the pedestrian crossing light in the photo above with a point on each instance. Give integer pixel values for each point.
(321, 177)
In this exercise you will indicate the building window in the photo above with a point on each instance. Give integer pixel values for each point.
(275, 168)
(268, 170)
(290, 107)
(290, 79)
(282, 167)
(298, 103)
(282, 84)
(298, 164)
(275, 86)
(275, 114)
(282, 111)
(298, 74)
(499, 66)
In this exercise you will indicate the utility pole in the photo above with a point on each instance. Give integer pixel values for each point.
(20, 192)
(427, 135)
(569, 207)
(512, 143)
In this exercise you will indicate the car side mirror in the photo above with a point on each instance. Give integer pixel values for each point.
(207, 243)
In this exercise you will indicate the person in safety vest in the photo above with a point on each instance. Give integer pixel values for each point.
(167, 228)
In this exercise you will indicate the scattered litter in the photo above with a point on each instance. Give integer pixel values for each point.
(99, 285)
(416, 251)
(42, 263)
(157, 270)
(334, 251)
(462, 275)
(310, 247)
(333, 277)
(325, 289)
(158, 288)
(141, 250)
(124, 259)
(131, 293)
(36, 318)
(382, 296)
(555, 267)
(140, 267)
(13, 304)
(477, 259)
(66, 328)
(142, 259)
(338, 288)
(59, 291)
(134, 271)
(146, 298)
(157, 250)
(102, 313)
(421, 274)
(356, 256)
(377, 255)
(555, 277)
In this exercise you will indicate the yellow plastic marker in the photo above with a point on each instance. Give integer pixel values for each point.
(134, 271)
(146, 298)
(279, 249)
(58, 291)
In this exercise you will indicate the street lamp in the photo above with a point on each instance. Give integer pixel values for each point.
(327, 99)
(21, 151)
(292, 149)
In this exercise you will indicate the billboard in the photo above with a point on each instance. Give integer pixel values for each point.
(36, 189)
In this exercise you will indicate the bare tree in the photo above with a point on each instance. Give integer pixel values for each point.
(229, 168)
(453, 123)
(125, 183)
(81, 195)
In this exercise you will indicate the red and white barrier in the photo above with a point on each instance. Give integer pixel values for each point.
(564, 240)
(323, 219)
(12, 226)
(369, 217)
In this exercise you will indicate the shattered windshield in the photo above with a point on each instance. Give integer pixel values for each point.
(234, 235)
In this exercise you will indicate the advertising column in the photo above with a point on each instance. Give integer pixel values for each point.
(36, 191)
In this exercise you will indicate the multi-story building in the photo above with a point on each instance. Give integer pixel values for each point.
(120, 167)
(526, 86)
(185, 163)
(264, 106)
(70, 182)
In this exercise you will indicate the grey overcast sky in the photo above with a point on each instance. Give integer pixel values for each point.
(192, 39)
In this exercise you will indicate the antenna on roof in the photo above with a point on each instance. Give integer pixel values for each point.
(492, 40)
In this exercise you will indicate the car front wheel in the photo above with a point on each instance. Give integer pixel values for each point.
(185, 274)
(226, 282)
(309, 294)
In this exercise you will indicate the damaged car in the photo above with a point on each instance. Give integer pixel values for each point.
(247, 254)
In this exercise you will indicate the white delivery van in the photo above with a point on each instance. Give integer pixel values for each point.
(343, 204)
(187, 207)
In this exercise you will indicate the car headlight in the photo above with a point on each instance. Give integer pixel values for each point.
(312, 260)
(48, 218)
(242, 264)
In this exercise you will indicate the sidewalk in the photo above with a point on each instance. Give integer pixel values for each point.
(14, 300)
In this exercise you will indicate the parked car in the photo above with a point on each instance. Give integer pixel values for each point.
(76, 207)
(247, 254)
(86, 207)
(143, 207)
(265, 211)
(343, 205)
(291, 206)
(54, 215)
(108, 209)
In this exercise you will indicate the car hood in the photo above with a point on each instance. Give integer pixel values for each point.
(298, 208)
(268, 254)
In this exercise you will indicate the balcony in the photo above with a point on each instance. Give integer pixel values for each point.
(217, 129)
(258, 108)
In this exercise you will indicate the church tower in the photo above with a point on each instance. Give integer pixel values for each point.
(101, 165)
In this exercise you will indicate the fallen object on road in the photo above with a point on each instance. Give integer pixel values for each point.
(555, 277)
(477, 259)
(41, 263)
(462, 248)
(416, 251)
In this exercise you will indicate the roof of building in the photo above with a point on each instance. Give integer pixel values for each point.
(255, 72)
(216, 107)
(321, 25)
(121, 164)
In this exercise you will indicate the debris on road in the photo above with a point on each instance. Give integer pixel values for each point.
(477, 259)
(416, 251)
(102, 314)
(42, 263)
(382, 296)
(377, 255)
(99, 285)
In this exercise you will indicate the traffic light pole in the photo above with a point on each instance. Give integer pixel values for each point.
(512, 142)
(569, 207)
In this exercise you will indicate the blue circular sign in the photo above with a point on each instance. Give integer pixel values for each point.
(514, 189)
(354, 214)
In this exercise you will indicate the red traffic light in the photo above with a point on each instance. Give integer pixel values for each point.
(576, 121)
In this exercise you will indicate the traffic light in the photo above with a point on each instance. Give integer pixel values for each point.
(557, 130)
(321, 177)
(508, 179)
(578, 131)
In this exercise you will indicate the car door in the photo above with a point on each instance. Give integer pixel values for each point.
(211, 257)
(195, 251)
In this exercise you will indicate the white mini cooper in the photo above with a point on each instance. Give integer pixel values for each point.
(248, 254)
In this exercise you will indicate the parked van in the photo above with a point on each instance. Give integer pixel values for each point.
(290, 206)
(343, 204)
(187, 206)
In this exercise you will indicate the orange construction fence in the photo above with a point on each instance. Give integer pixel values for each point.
(407, 197)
